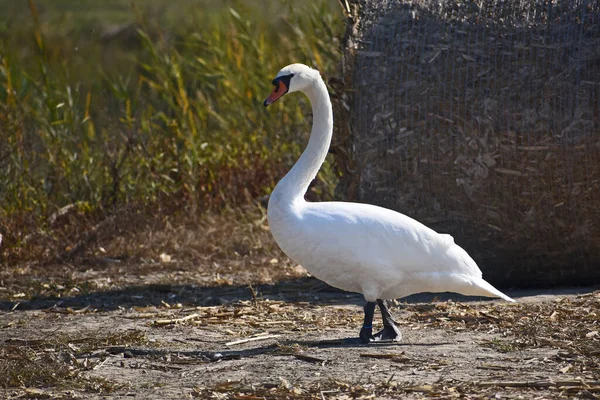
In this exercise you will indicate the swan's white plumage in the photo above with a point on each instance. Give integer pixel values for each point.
(360, 247)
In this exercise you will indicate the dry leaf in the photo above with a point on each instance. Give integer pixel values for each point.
(566, 369)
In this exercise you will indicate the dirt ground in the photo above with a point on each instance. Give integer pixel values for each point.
(296, 339)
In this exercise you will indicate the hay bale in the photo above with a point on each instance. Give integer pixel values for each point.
(482, 119)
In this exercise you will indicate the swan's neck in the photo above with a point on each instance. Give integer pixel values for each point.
(294, 185)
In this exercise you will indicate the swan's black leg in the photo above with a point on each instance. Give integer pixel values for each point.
(390, 331)
(366, 333)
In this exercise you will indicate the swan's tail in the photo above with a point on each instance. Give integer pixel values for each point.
(472, 282)
(485, 289)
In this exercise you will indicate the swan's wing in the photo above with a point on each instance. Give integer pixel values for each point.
(374, 236)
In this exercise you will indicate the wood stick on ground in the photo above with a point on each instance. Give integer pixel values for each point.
(381, 356)
(312, 359)
(176, 320)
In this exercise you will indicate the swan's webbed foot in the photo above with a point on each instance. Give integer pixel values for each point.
(390, 329)
(389, 332)
(366, 335)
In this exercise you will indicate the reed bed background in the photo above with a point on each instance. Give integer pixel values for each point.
(154, 105)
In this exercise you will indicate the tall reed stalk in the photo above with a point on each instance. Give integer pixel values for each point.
(183, 121)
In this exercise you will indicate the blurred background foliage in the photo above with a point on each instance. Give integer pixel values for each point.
(105, 104)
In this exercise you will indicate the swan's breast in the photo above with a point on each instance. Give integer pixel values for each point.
(332, 246)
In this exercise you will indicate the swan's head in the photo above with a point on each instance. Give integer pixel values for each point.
(293, 78)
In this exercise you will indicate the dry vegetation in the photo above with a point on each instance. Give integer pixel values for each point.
(487, 117)
(57, 362)
(134, 247)
(167, 114)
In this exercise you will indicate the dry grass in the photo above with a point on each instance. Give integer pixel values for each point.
(388, 390)
(571, 326)
(59, 360)
(251, 317)
(148, 246)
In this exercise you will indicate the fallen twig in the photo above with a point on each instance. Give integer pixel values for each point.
(176, 320)
(312, 359)
(135, 352)
(274, 323)
(399, 358)
(380, 356)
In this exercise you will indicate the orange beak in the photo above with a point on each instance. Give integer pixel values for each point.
(279, 90)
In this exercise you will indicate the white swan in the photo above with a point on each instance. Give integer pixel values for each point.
(360, 247)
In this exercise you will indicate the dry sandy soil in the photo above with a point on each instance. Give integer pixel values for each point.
(296, 339)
